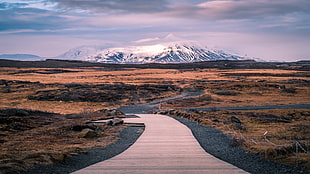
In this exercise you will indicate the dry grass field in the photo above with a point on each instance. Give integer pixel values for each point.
(57, 99)
(253, 87)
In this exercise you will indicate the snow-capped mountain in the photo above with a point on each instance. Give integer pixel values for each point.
(172, 52)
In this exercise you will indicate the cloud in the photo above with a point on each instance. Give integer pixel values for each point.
(165, 14)
(230, 9)
(21, 15)
(146, 40)
(29, 18)
(38, 4)
(203, 10)
(6, 5)
(115, 6)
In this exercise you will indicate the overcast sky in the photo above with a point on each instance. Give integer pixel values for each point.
(267, 29)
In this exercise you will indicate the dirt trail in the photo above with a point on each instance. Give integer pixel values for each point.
(297, 106)
(143, 108)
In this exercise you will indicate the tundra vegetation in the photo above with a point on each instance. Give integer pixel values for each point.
(44, 106)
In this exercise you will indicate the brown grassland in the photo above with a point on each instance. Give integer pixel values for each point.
(57, 99)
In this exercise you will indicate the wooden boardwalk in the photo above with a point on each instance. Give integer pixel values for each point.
(166, 146)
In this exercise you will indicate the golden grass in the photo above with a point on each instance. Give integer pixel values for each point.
(183, 78)
(131, 76)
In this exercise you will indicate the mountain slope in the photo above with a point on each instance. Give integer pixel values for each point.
(173, 52)
(80, 53)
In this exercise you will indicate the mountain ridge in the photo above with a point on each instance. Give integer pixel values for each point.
(170, 52)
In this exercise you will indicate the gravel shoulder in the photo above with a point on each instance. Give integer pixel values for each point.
(219, 145)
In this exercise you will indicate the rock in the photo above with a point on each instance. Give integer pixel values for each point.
(99, 129)
(235, 120)
(81, 127)
(109, 123)
(225, 92)
(289, 90)
(255, 93)
(239, 126)
(238, 123)
(115, 121)
(88, 133)
(14, 112)
(21, 112)
(114, 112)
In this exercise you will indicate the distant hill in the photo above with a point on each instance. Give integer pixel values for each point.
(22, 57)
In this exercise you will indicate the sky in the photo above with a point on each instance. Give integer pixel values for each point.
(268, 29)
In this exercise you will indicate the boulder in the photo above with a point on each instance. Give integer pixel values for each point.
(21, 112)
(235, 120)
(225, 92)
(237, 123)
(14, 112)
(88, 133)
(115, 121)
(81, 127)
(114, 112)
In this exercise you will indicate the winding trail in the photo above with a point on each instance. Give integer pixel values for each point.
(296, 106)
(166, 146)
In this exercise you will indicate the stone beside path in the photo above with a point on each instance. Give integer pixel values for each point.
(166, 146)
